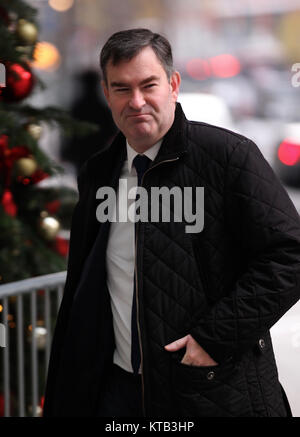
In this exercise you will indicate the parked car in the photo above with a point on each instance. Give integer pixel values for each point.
(288, 155)
(207, 108)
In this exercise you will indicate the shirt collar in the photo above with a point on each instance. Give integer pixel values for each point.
(150, 153)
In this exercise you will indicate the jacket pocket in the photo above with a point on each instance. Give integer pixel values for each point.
(214, 391)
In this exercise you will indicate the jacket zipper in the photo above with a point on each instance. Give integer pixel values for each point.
(137, 297)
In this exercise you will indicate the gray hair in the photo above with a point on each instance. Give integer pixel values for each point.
(126, 44)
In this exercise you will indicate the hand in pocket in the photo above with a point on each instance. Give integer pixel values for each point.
(194, 355)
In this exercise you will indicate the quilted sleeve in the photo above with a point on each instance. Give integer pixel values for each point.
(262, 218)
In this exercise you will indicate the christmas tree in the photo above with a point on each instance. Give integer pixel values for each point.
(31, 215)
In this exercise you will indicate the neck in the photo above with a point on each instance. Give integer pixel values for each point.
(141, 148)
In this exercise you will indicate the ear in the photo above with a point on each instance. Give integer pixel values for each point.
(175, 84)
(105, 91)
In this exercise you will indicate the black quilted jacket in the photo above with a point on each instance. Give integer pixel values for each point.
(226, 285)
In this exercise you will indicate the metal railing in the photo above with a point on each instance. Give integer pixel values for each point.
(28, 311)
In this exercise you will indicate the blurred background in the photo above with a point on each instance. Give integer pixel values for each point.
(244, 53)
(240, 68)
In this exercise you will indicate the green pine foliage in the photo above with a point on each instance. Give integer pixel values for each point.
(24, 250)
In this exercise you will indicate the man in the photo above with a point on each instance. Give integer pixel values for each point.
(204, 301)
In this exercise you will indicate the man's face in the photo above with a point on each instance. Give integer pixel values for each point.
(141, 98)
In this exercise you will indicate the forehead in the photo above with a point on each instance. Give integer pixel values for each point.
(144, 64)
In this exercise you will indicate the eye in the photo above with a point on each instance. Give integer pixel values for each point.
(150, 85)
(121, 90)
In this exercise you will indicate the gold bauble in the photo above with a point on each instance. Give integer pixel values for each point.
(25, 166)
(49, 227)
(35, 130)
(27, 32)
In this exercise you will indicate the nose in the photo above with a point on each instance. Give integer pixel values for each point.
(137, 100)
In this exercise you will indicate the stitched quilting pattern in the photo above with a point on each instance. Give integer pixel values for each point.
(246, 220)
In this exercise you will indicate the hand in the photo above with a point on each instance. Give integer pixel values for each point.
(194, 355)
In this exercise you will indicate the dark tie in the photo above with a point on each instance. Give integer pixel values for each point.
(141, 163)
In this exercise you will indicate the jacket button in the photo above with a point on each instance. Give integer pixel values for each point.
(261, 343)
(210, 375)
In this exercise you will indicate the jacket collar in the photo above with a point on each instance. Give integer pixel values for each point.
(174, 143)
(173, 146)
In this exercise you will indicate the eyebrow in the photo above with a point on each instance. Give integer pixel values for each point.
(143, 82)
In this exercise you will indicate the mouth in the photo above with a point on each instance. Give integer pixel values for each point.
(138, 115)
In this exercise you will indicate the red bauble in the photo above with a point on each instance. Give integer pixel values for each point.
(19, 83)
(3, 141)
(53, 206)
(9, 204)
(7, 158)
(35, 178)
(61, 246)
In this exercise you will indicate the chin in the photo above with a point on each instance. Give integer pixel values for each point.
(139, 134)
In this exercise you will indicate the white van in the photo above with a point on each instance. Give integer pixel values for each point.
(207, 108)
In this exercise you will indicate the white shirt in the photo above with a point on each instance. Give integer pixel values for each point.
(120, 261)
